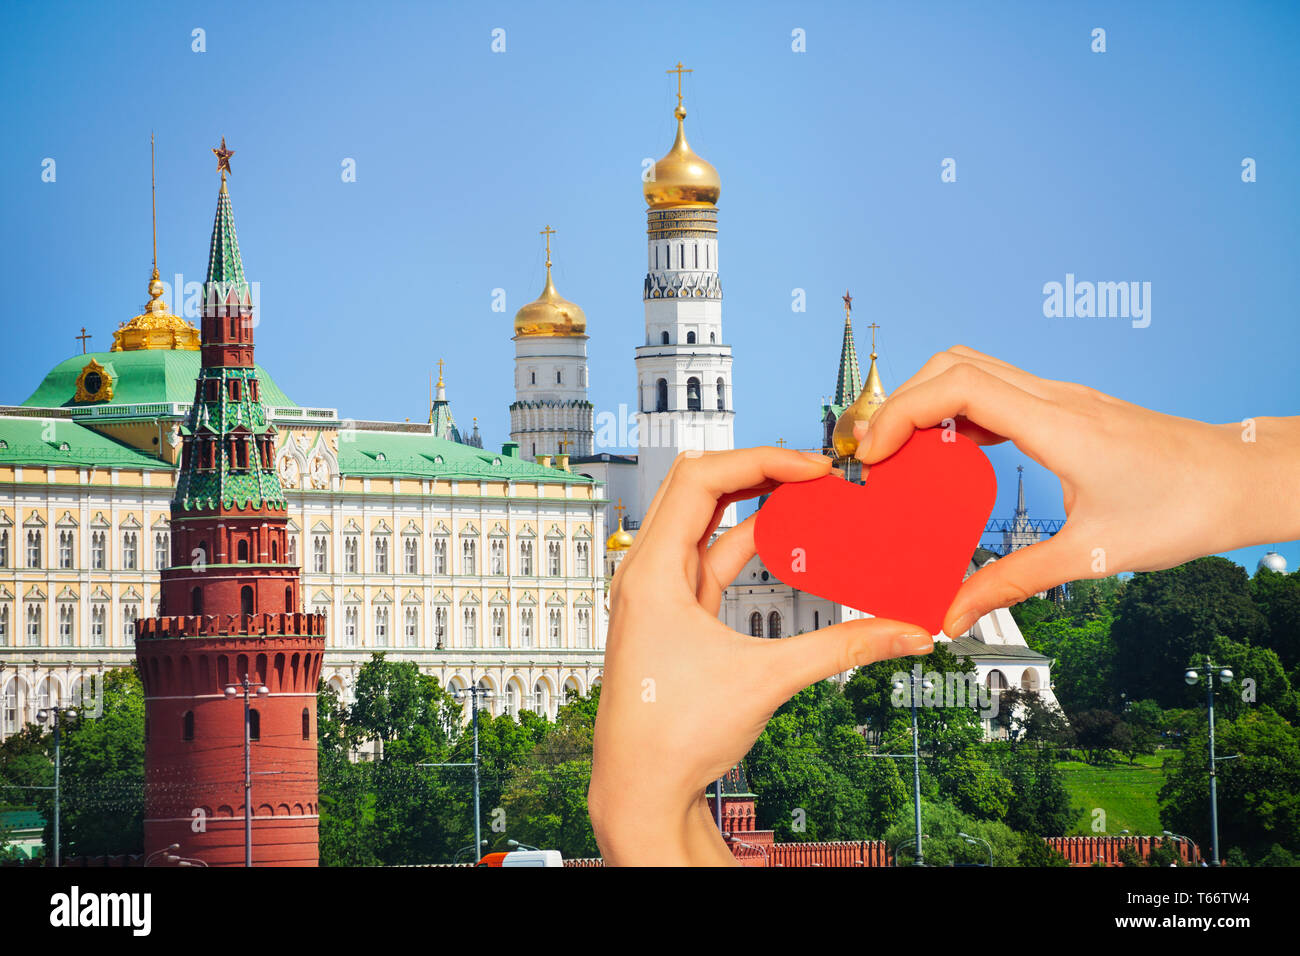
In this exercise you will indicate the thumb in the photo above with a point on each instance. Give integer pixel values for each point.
(1014, 578)
(795, 662)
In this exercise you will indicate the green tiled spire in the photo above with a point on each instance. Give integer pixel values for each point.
(849, 381)
(224, 263)
(228, 431)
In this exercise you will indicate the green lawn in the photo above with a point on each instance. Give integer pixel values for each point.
(1127, 793)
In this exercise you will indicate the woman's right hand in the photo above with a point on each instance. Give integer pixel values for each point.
(1142, 490)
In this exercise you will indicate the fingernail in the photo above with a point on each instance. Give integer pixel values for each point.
(913, 642)
(963, 623)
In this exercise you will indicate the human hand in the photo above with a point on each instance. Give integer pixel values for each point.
(683, 696)
(1142, 490)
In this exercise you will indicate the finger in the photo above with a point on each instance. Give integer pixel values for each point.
(965, 390)
(1017, 576)
(795, 662)
(691, 495)
(941, 362)
(721, 563)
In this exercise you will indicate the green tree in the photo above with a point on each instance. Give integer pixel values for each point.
(1278, 598)
(102, 775)
(1259, 790)
(1084, 660)
(942, 825)
(1165, 618)
(546, 802)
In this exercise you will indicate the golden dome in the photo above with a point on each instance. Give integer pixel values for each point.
(550, 313)
(156, 328)
(620, 540)
(682, 178)
(863, 408)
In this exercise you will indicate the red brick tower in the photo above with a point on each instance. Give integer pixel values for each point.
(230, 608)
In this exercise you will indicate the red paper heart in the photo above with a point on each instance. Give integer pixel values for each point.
(897, 546)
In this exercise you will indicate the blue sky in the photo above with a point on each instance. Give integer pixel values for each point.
(1115, 166)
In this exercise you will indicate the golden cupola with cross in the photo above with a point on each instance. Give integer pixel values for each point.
(155, 327)
(550, 313)
(681, 178)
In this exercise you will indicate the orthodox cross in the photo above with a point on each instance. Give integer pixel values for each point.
(679, 70)
(223, 158)
(781, 442)
(620, 509)
(82, 337)
(440, 382)
(548, 232)
(873, 328)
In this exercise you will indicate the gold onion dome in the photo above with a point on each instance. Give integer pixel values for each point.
(156, 328)
(864, 407)
(620, 540)
(550, 314)
(682, 178)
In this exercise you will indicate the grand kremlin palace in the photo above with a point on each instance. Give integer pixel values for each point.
(481, 567)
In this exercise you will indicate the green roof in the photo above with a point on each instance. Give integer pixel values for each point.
(37, 441)
(416, 455)
(21, 820)
(139, 378)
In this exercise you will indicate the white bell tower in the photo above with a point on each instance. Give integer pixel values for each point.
(684, 390)
(551, 414)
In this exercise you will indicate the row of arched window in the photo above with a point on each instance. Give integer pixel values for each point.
(773, 624)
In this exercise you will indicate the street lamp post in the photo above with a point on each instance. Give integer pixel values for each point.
(916, 756)
(232, 691)
(57, 713)
(972, 841)
(1192, 675)
(475, 692)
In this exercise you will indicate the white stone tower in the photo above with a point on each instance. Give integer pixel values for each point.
(551, 414)
(683, 369)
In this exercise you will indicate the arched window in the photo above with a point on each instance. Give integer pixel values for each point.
(306, 724)
(722, 395)
(756, 625)
(690, 338)
(196, 600)
(1029, 680)
(526, 627)
(189, 725)
(411, 555)
(774, 624)
(661, 394)
(664, 340)
(246, 599)
(996, 681)
(275, 551)
(713, 338)
(693, 394)
(254, 725)
(555, 633)
(243, 551)
(526, 558)
(288, 599)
